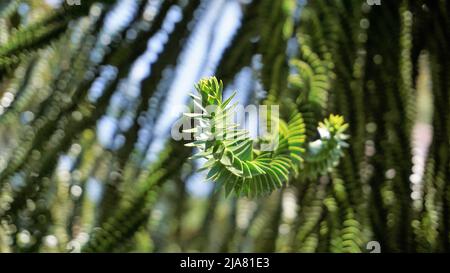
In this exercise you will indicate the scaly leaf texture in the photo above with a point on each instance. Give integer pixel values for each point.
(231, 158)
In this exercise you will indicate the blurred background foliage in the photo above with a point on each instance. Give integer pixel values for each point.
(88, 94)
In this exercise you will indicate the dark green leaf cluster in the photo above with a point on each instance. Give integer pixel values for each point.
(232, 160)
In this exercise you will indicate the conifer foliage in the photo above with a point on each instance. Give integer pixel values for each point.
(362, 153)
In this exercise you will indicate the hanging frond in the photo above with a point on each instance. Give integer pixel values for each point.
(232, 159)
